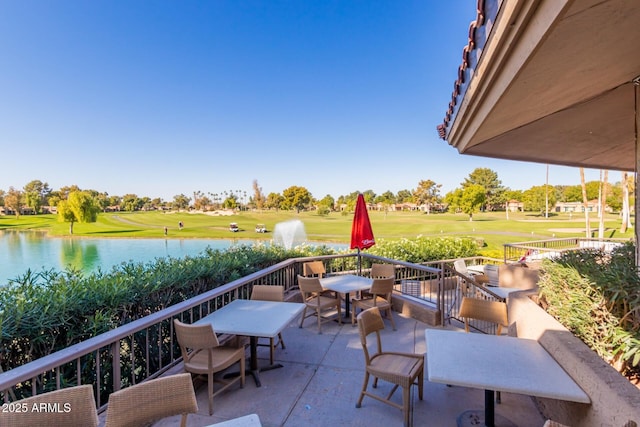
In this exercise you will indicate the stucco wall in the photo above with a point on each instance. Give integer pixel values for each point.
(614, 400)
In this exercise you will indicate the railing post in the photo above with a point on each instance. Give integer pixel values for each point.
(115, 362)
(440, 299)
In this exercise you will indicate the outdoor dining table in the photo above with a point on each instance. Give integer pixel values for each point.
(345, 284)
(254, 319)
(497, 363)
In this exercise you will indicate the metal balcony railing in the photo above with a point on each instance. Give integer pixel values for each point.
(541, 249)
(146, 348)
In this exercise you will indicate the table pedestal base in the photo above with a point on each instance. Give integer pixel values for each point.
(476, 419)
(253, 369)
(255, 373)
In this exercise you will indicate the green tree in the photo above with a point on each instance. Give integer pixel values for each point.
(593, 189)
(325, 205)
(404, 196)
(489, 181)
(570, 193)
(369, 196)
(102, 200)
(63, 193)
(131, 203)
(427, 193)
(534, 199)
(467, 200)
(387, 198)
(35, 195)
(274, 201)
(156, 203)
(297, 198)
(79, 206)
(180, 202)
(231, 202)
(350, 199)
(115, 200)
(13, 201)
(614, 196)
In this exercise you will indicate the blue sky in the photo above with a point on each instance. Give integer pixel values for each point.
(159, 98)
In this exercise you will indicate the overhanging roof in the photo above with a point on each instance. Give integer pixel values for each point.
(549, 81)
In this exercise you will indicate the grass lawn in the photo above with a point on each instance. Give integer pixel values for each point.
(492, 227)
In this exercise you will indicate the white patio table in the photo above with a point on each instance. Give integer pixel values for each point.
(254, 319)
(345, 284)
(497, 363)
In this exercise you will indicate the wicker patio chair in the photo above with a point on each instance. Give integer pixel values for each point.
(74, 407)
(379, 296)
(480, 309)
(460, 266)
(380, 271)
(203, 355)
(269, 293)
(401, 369)
(492, 273)
(150, 401)
(317, 300)
(313, 269)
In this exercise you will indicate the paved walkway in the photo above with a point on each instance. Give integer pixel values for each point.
(322, 377)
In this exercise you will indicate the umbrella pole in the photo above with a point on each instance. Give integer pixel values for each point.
(359, 263)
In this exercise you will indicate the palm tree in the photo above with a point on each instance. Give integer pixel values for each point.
(585, 203)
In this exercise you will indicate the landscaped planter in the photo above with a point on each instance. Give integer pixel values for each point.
(614, 400)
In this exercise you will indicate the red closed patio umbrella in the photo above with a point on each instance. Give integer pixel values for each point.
(361, 232)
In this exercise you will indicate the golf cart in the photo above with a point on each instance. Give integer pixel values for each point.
(233, 227)
(261, 228)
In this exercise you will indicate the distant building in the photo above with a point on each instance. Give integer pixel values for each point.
(592, 206)
(515, 206)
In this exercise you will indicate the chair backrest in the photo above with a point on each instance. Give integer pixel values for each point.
(461, 267)
(489, 311)
(313, 269)
(267, 293)
(382, 286)
(309, 285)
(382, 270)
(370, 321)
(194, 337)
(491, 271)
(152, 400)
(74, 407)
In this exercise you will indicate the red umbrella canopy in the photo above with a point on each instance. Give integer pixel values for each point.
(361, 232)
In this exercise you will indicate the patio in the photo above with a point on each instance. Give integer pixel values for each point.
(322, 377)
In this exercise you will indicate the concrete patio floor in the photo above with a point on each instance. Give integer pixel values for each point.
(321, 379)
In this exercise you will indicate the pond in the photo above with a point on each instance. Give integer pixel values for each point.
(20, 251)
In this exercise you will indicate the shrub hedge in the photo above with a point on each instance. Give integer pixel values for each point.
(596, 295)
(42, 312)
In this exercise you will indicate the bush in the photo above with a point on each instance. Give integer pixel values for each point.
(424, 249)
(596, 296)
(42, 312)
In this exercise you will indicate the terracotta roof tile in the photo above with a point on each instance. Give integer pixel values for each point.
(478, 33)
